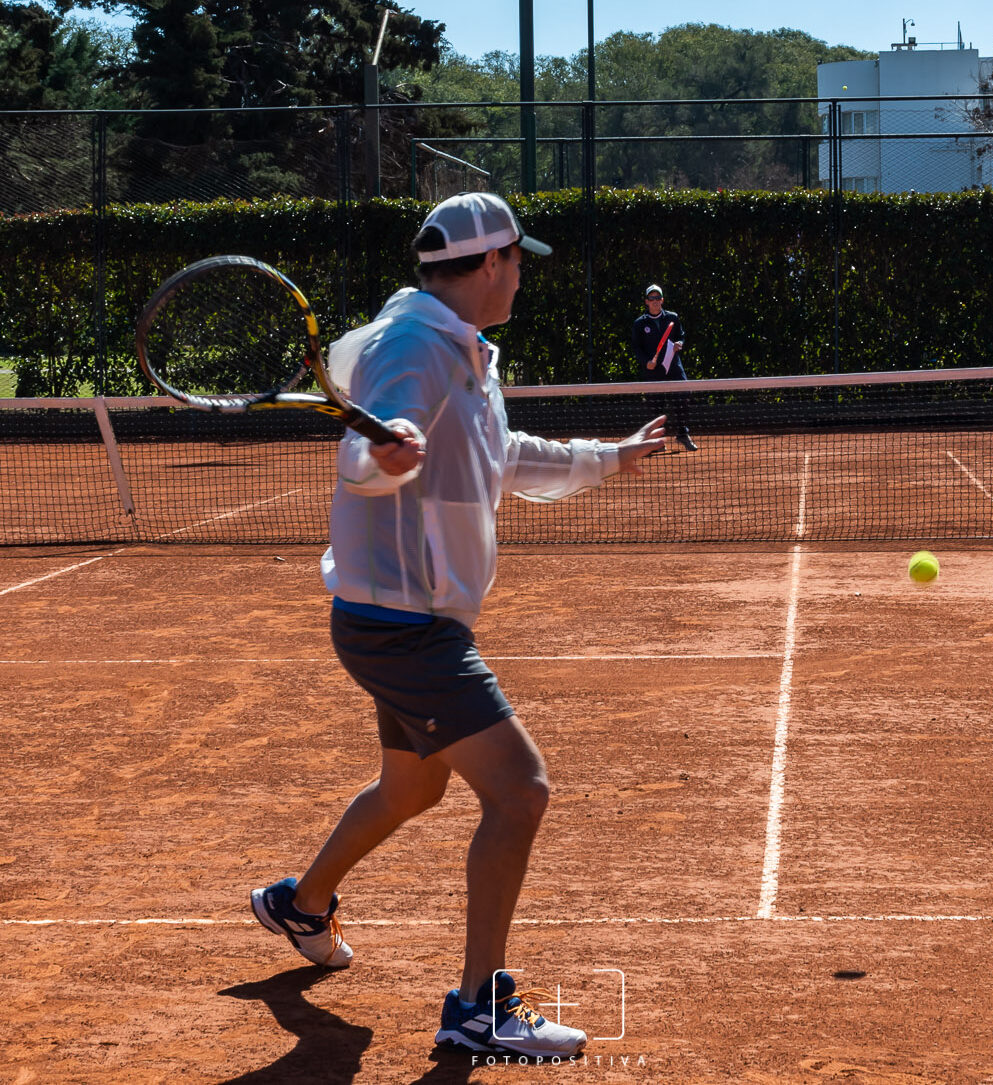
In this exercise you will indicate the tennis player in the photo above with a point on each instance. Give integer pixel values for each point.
(413, 553)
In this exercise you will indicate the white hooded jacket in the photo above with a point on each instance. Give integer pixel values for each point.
(426, 541)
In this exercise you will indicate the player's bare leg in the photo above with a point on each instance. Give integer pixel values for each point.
(505, 769)
(407, 786)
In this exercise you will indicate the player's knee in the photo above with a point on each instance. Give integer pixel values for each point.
(528, 802)
(539, 793)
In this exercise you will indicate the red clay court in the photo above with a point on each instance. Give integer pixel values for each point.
(767, 856)
(771, 814)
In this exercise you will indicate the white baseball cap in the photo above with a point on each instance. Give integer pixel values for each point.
(475, 222)
(654, 289)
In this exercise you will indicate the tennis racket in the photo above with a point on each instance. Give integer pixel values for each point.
(233, 334)
(662, 342)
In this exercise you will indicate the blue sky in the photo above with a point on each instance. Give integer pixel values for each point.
(561, 25)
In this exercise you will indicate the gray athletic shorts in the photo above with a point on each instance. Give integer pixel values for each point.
(429, 682)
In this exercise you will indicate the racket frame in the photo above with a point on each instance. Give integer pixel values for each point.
(332, 402)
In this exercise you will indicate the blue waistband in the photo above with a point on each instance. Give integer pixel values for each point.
(383, 614)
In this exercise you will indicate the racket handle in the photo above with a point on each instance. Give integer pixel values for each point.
(369, 426)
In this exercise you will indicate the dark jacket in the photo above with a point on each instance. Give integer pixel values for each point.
(645, 337)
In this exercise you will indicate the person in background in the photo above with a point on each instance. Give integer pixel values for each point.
(657, 362)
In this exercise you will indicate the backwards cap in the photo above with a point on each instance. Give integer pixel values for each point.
(475, 222)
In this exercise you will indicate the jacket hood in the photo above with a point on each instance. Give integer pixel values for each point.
(409, 304)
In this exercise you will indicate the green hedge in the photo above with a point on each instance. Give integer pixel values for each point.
(752, 275)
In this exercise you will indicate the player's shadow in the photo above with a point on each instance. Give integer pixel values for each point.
(452, 1066)
(329, 1050)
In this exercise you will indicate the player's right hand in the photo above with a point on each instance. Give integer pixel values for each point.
(398, 459)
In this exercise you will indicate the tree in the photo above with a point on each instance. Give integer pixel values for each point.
(197, 59)
(680, 66)
(47, 63)
(50, 62)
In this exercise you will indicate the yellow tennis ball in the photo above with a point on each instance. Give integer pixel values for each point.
(923, 566)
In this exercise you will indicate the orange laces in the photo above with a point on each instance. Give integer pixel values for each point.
(524, 1010)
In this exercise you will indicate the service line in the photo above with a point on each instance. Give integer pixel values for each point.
(577, 921)
(181, 661)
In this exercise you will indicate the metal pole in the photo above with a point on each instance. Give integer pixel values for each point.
(370, 99)
(591, 84)
(589, 228)
(100, 255)
(590, 57)
(343, 124)
(835, 131)
(529, 126)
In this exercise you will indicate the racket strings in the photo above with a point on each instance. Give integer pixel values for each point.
(230, 332)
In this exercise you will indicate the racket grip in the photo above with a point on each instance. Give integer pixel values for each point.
(369, 426)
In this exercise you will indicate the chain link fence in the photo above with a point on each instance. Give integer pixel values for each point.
(87, 161)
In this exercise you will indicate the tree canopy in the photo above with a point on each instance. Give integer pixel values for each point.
(50, 62)
(185, 56)
(684, 66)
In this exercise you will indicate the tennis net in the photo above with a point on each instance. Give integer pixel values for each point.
(853, 457)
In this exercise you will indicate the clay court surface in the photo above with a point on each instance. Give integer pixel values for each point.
(767, 857)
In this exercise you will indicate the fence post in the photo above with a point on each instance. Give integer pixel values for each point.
(343, 134)
(529, 122)
(370, 101)
(99, 173)
(836, 185)
(589, 223)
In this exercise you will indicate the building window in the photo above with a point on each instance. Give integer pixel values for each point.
(860, 122)
(854, 122)
(860, 184)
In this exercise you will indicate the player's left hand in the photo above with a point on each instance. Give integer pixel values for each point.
(650, 438)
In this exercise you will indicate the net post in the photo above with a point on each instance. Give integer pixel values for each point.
(113, 455)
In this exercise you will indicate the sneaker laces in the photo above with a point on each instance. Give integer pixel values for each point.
(525, 1012)
(331, 918)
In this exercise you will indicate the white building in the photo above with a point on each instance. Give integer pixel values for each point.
(935, 164)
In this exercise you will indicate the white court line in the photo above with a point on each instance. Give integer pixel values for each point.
(965, 470)
(58, 572)
(194, 660)
(585, 921)
(166, 535)
(777, 789)
(226, 515)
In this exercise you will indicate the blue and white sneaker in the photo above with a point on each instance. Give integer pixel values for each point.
(508, 1023)
(317, 937)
